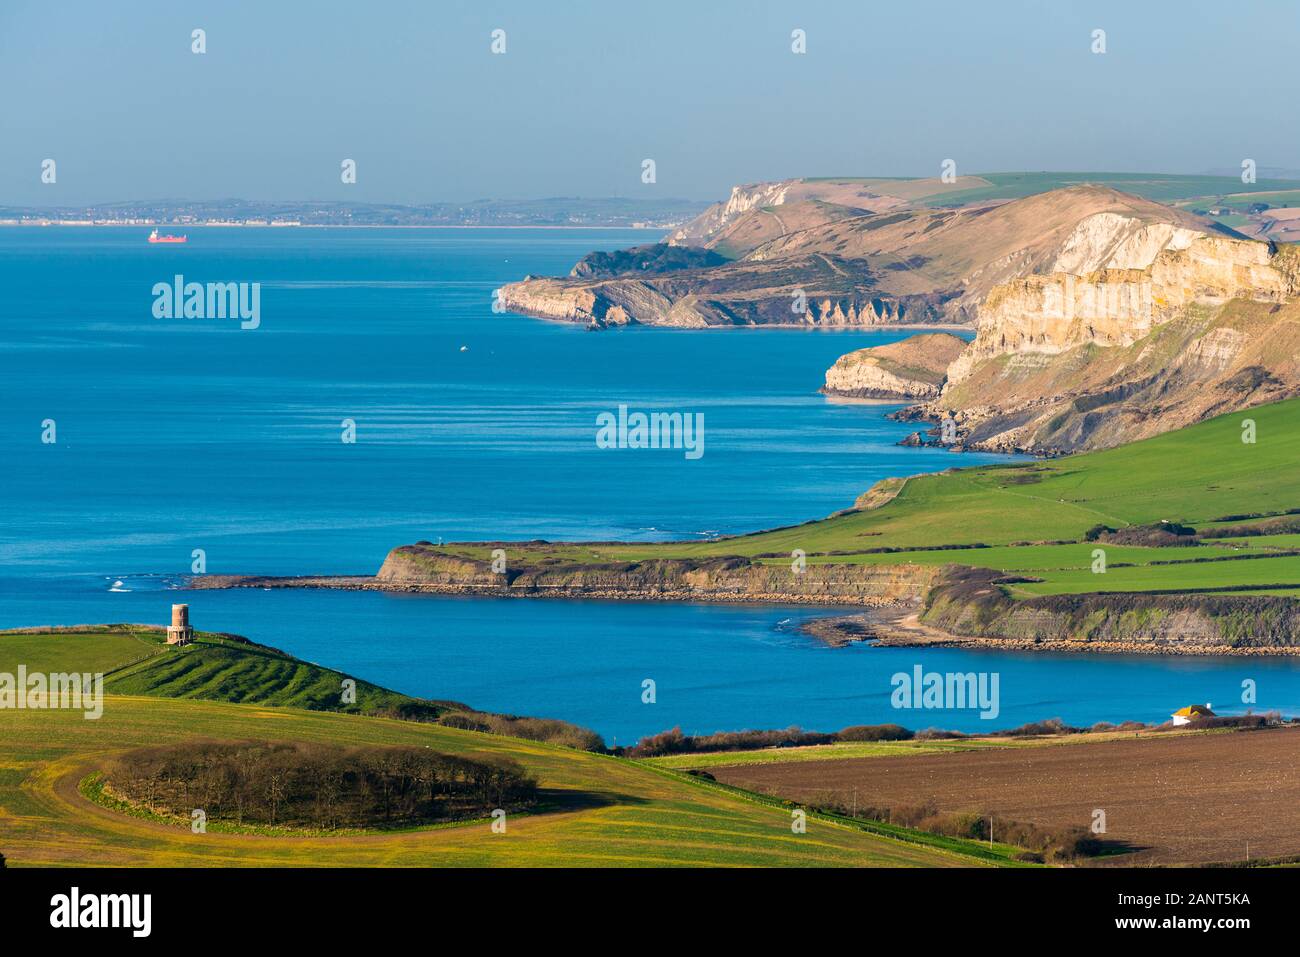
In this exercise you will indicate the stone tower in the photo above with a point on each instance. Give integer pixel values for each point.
(180, 632)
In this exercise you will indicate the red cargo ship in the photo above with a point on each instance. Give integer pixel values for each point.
(155, 238)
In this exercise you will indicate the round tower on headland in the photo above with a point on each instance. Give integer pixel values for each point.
(179, 631)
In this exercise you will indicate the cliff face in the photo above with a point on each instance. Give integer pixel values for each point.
(1116, 305)
(1066, 362)
(805, 290)
(608, 303)
(422, 568)
(913, 368)
(970, 603)
(720, 215)
(863, 259)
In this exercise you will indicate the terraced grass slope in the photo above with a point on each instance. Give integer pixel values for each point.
(598, 810)
(136, 660)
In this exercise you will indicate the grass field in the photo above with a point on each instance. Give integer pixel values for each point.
(95, 650)
(1272, 574)
(1282, 197)
(135, 660)
(599, 810)
(886, 749)
(1164, 188)
(1035, 516)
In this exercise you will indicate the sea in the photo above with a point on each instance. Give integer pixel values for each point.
(380, 399)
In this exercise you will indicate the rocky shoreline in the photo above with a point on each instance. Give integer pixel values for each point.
(885, 621)
(900, 626)
(911, 369)
(559, 591)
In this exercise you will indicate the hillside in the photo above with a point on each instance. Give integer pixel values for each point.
(1221, 196)
(1204, 816)
(1078, 360)
(596, 810)
(226, 668)
(1233, 584)
(891, 262)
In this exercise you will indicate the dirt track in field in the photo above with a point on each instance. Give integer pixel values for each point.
(1191, 799)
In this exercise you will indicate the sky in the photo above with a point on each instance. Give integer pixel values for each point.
(585, 91)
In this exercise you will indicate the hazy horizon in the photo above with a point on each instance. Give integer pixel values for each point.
(583, 94)
(1264, 174)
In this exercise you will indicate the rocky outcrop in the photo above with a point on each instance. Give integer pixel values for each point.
(1117, 306)
(795, 204)
(913, 368)
(807, 290)
(972, 603)
(881, 493)
(1112, 240)
(609, 303)
(1068, 362)
(865, 259)
(733, 579)
(720, 215)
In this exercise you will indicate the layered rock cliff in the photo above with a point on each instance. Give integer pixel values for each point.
(1066, 362)
(1123, 300)
(423, 568)
(972, 603)
(718, 216)
(806, 290)
(881, 261)
(913, 368)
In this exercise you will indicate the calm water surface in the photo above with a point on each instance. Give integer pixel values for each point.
(182, 435)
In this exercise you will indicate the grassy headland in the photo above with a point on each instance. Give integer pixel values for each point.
(1095, 524)
(594, 809)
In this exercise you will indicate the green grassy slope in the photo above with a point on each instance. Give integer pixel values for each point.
(597, 810)
(841, 750)
(609, 812)
(136, 661)
(1161, 187)
(103, 649)
(1195, 476)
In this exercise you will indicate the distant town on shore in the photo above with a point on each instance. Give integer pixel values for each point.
(614, 212)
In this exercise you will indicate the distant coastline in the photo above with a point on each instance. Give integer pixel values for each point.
(11, 222)
(555, 212)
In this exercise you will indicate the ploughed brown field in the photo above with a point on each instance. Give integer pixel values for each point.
(1179, 799)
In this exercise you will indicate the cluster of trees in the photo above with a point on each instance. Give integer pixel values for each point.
(1161, 535)
(550, 730)
(674, 742)
(316, 785)
(1276, 526)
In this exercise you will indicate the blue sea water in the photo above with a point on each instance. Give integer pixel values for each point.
(175, 435)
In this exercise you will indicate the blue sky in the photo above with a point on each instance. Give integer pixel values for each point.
(586, 90)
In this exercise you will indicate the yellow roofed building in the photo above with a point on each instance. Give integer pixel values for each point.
(1191, 713)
